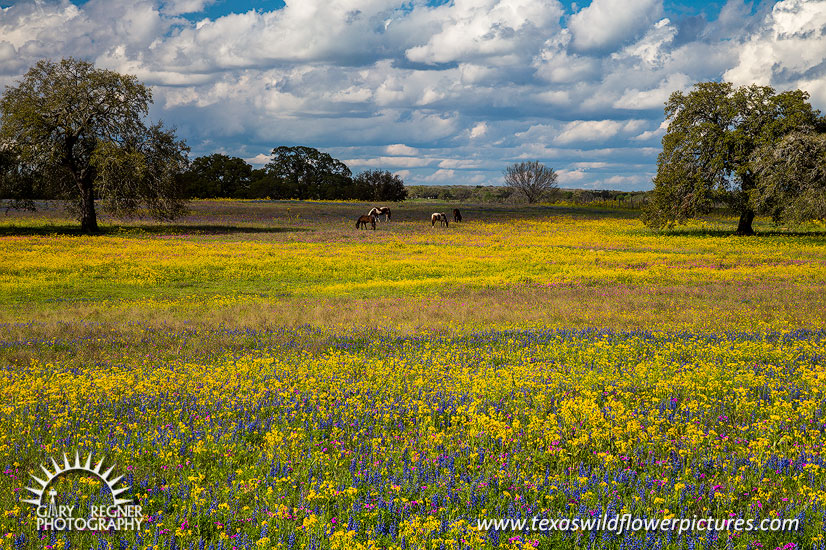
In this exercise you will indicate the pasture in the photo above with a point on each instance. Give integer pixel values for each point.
(265, 375)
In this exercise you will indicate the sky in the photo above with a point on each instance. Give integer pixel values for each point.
(439, 92)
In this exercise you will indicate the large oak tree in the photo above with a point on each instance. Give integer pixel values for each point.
(714, 135)
(78, 133)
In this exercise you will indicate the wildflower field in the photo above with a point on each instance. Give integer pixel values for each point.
(264, 375)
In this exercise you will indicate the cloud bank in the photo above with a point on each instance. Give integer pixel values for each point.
(448, 93)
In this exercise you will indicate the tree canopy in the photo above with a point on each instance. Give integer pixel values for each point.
(78, 132)
(17, 185)
(710, 150)
(380, 185)
(306, 173)
(792, 173)
(218, 175)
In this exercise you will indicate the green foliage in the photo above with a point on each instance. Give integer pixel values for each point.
(144, 173)
(793, 176)
(496, 194)
(218, 176)
(305, 173)
(461, 193)
(708, 150)
(17, 185)
(379, 185)
(81, 131)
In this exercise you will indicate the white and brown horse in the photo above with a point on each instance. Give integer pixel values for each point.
(364, 220)
(440, 217)
(378, 212)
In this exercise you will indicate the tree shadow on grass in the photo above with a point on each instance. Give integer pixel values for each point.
(786, 233)
(709, 232)
(534, 211)
(137, 230)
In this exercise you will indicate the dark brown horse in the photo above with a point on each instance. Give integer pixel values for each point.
(364, 220)
(457, 216)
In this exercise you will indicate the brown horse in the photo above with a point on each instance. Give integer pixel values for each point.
(457, 216)
(440, 217)
(364, 220)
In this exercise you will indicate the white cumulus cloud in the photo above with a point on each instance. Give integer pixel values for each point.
(594, 130)
(503, 29)
(401, 149)
(444, 94)
(606, 24)
(789, 48)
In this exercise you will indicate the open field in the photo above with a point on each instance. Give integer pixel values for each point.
(267, 376)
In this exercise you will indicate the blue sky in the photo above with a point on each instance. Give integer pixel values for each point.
(224, 7)
(439, 92)
(220, 8)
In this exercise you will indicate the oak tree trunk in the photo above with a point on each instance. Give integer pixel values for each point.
(744, 225)
(88, 217)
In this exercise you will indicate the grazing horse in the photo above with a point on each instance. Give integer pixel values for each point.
(364, 220)
(457, 216)
(440, 217)
(378, 212)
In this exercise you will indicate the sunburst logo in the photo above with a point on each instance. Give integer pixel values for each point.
(77, 467)
(120, 515)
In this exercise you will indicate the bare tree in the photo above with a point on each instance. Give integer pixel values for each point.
(531, 179)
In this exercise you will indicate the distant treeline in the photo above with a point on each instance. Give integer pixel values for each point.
(496, 194)
(292, 173)
(306, 173)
